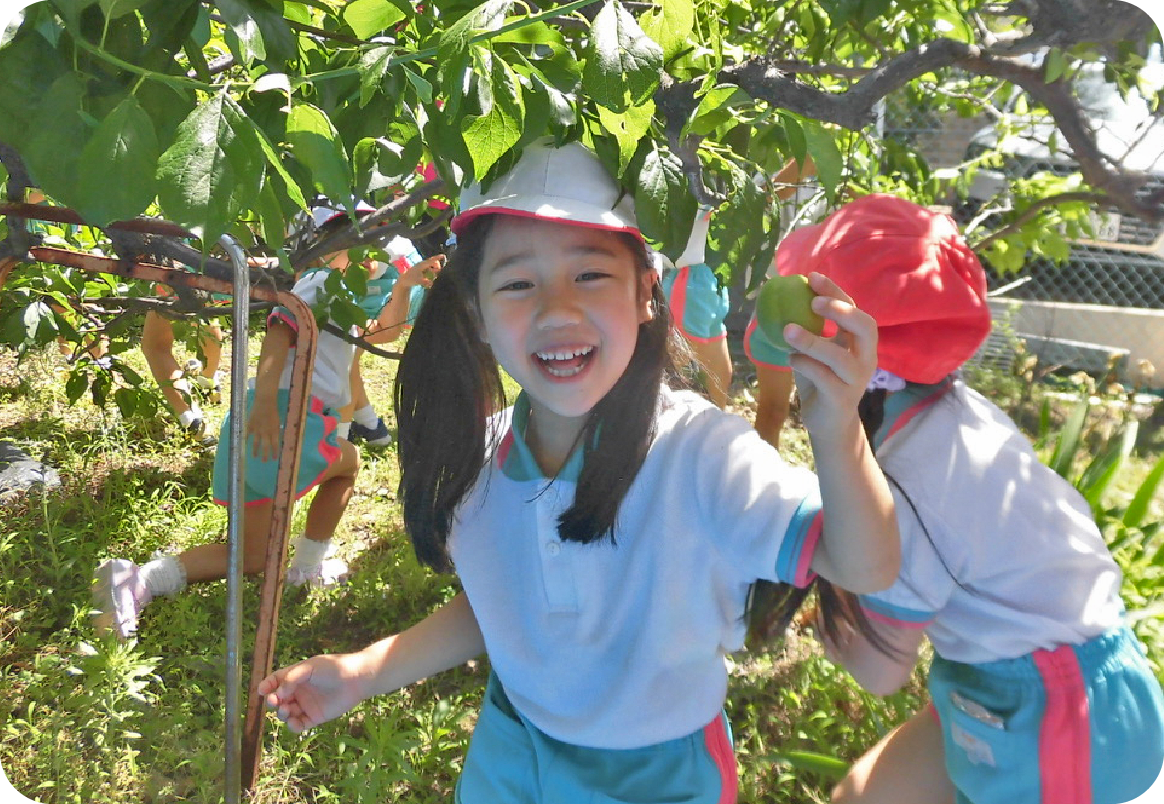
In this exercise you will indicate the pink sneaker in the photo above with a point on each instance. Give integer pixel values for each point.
(329, 572)
(119, 595)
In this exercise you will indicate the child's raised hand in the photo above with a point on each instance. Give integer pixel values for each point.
(314, 691)
(832, 373)
(423, 272)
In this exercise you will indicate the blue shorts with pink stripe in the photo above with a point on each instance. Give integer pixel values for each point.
(698, 303)
(320, 450)
(512, 761)
(1080, 724)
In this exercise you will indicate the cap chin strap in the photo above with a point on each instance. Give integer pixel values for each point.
(885, 380)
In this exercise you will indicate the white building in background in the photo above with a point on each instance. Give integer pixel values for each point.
(9, 18)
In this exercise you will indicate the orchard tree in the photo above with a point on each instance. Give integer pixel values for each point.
(231, 115)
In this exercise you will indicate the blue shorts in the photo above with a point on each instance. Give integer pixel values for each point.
(762, 351)
(510, 760)
(1081, 724)
(320, 450)
(698, 304)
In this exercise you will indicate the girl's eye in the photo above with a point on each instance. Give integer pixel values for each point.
(590, 276)
(516, 284)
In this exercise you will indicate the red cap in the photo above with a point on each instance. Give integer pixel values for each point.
(910, 269)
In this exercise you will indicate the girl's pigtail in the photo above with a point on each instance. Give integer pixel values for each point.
(446, 388)
(619, 432)
(773, 606)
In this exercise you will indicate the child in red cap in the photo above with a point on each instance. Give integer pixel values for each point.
(1040, 692)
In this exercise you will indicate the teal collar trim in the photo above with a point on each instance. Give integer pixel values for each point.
(902, 406)
(515, 457)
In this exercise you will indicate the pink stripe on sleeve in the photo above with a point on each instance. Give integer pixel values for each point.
(1065, 734)
(804, 573)
(719, 748)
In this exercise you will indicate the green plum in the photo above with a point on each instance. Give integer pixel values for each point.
(786, 300)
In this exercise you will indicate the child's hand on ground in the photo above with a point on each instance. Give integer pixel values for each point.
(423, 272)
(832, 373)
(314, 691)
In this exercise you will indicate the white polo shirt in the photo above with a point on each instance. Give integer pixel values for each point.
(331, 375)
(1034, 568)
(622, 645)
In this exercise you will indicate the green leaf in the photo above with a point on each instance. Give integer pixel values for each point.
(245, 28)
(1142, 499)
(663, 203)
(270, 215)
(316, 144)
(1069, 438)
(822, 145)
(423, 87)
(1105, 466)
(456, 39)
(260, 142)
(492, 134)
(112, 9)
(1055, 64)
(212, 171)
(670, 25)
(628, 129)
(76, 385)
(794, 133)
(367, 18)
(374, 64)
(120, 162)
(715, 109)
(813, 762)
(53, 145)
(622, 62)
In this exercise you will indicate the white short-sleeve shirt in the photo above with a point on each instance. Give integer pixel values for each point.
(331, 376)
(623, 645)
(1032, 569)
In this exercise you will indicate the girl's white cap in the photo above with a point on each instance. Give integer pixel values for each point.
(566, 184)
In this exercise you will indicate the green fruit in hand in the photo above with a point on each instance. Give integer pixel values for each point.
(786, 300)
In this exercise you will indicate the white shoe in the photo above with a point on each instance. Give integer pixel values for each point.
(329, 572)
(119, 595)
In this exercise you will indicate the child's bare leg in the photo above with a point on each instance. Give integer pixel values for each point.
(209, 562)
(210, 339)
(908, 766)
(331, 500)
(717, 364)
(773, 399)
(157, 344)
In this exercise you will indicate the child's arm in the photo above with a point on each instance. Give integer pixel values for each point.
(324, 687)
(263, 422)
(860, 549)
(877, 672)
(390, 323)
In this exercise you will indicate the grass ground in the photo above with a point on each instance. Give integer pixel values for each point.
(92, 720)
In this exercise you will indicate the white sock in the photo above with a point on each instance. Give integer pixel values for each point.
(164, 575)
(366, 416)
(187, 417)
(343, 430)
(309, 552)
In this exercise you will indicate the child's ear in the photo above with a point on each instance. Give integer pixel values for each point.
(646, 291)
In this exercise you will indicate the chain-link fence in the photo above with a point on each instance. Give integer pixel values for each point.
(1104, 304)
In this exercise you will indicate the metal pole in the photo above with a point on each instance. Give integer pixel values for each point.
(234, 530)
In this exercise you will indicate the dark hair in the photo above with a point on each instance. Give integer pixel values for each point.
(772, 606)
(448, 385)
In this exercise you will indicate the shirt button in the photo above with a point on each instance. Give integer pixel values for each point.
(553, 548)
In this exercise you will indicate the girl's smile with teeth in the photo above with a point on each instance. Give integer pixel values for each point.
(564, 363)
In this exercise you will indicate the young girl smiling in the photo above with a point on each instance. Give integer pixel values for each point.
(605, 528)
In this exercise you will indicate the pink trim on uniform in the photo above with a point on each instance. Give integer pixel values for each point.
(881, 618)
(752, 323)
(1065, 733)
(283, 317)
(933, 710)
(720, 749)
(804, 573)
(462, 220)
(504, 447)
